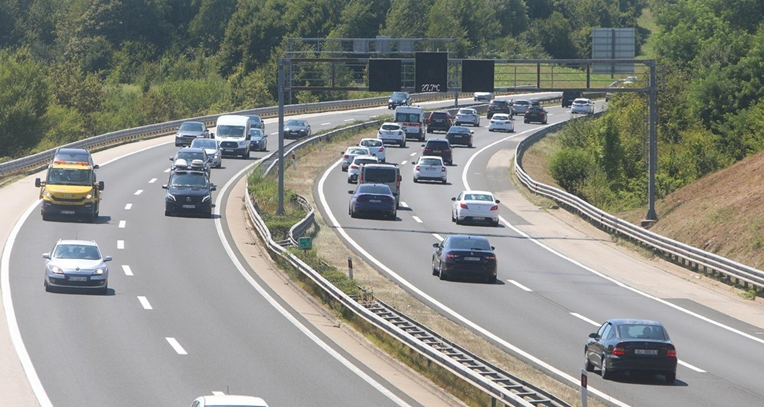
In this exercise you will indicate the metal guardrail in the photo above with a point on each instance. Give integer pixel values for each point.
(671, 248)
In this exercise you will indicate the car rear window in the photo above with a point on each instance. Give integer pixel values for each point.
(437, 144)
(430, 161)
(439, 115)
(359, 161)
(391, 127)
(371, 143)
(499, 102)
(639, 331)
(375, 189)
(407, 117)
(469, 244)
(379, 175)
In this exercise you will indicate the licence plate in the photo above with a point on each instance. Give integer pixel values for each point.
(437, 151)
(78, 278)
(189, 206)
(472, 259)
(228, 151)
(67, 212)
(375, 200)
(646, 352)
(478, 217)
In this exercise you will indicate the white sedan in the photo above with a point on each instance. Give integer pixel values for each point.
(429, 168)
(475, 206)
(582, 106)
(375, 146)
(502, 122)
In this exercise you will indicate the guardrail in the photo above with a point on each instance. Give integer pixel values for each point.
(679, 252)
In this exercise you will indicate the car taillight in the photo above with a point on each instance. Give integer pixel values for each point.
(417, 168)
(345, 156)
(618, 350)
(452, 256)
(463, 206)
(362, 198)
(379, 132)
(400, 133)
(491, 257)
(382, 149)
(354, 167)
(671, 352)
(443, 169)
(495, 208)
(448, 150)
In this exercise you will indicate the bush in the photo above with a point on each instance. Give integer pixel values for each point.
(569, 167)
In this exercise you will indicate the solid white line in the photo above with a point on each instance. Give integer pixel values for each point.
(139, 192)
(122, 224)
(128, 206)
(127, 270)
(403, 204)
(153, 180)
(120, 244)
(437, 236)
(416, 219)
(519, 285)
(690, 366)
(585, 319)
(177, 346)
(286, 314)
(144, 302)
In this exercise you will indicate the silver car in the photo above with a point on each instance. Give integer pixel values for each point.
(212, 149)
(76, 264)
(467, 116)
(190, 131)
(355, 168)
(350, 153)
(519, 106)
(429, 168)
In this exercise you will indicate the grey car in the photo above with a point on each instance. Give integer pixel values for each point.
(188, 157)
(297, 128)
(212, 149)
(257, 123)
(76, 264)
(519, 106)
(188, 131)
(467, 116)
(258, 140)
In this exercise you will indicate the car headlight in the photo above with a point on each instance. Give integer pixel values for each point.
(99, 271)
(88, 196)
(206, 198)
(48, 194)
(56, 269)
(170, 196)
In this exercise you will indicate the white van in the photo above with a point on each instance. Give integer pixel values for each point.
(232, 132)
(411, 119)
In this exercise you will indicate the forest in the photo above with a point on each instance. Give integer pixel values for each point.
(71, 69)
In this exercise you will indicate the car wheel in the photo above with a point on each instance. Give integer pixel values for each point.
(453, 218)
(168, 213)
(414, 179)
(457, 220)
(49, 289)
(441, 274)
(429, 131)
(470, 145)
(496, 223)
(434, 270)
(669, 378)
(353, 213)
(393, 215)
(443, 181)
(490, 130)
(248, 153)
(45, 216)
(604, 373)
(492, 280)
(587, 365)
(525, 121)
(104, 290)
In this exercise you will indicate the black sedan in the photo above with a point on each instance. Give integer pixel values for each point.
(399, 99)
(631, 346)
(460, 135)
(296, 128)
(469, 256)
(372, 199)
(189, 192)
(535, 114)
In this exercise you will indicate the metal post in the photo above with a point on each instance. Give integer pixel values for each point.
(350, 268)
(280, 208)
(652, 123)
(583, 388)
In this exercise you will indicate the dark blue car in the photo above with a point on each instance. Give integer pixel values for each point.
(372, 199)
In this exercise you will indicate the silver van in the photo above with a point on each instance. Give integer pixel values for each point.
(382, 173)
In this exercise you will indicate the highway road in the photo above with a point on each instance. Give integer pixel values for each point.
(545, 304)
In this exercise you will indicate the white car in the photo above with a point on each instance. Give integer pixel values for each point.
(483, 96)
(502, 122)
(392, 133)
(375, 146)
(582, 106)
(475, 206)
(355, 168)
(228, 400)
(429, 168)
(350, 153)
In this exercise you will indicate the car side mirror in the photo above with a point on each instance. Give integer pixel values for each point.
(107, 258)
(171, 158)
(164, 186)
(454, 198)
(46, 256)
(492, 248)
(212, 135)
(423, 145)
(350, 192)
(213, 187)
(436, 245)
(38, 183)
(100, 185)
(414, 162)
(496, 201)
(95, 166)
(471, 131)
(594, 335)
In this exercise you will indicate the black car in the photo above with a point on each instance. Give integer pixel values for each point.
(460, 135)
(497, 106)
(372, 199)
(439, 147)
(399, 99)
(631, 345)
(439, 120)
(256, 122)
(535, 114)
(189, 192)
(568, 97)
(296, 128)
(465, 255)
(188, 131)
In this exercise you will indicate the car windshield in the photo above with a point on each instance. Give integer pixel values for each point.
(229, 131)
(204, 143)
(72, 157)
(191, 127)
(398, 95)
(66, 176)
(256, 133)
(371, 143)
(430, 161)
(77, 251)
(188, 179)
(189, 155)
(374, 189)
(469, 244)
(641, 331)
(479, 197)
(295, 123)
(379, 175)
(391, 127)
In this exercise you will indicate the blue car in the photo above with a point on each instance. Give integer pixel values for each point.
(372, 199)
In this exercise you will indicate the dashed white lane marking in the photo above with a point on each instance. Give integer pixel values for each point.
(591, 322)
(519, 285)
(403, 204)
(413, 154)
(403, 162)
(144, 302)
(177, 346)
(139, 192)
(128, 206)
(167, 170)
(349, 120)
(325, 124)
(153, 180)
(127, 270)
(218, 393)
(440, 239)
(120, 244)
(416, 219)
(122, 224)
